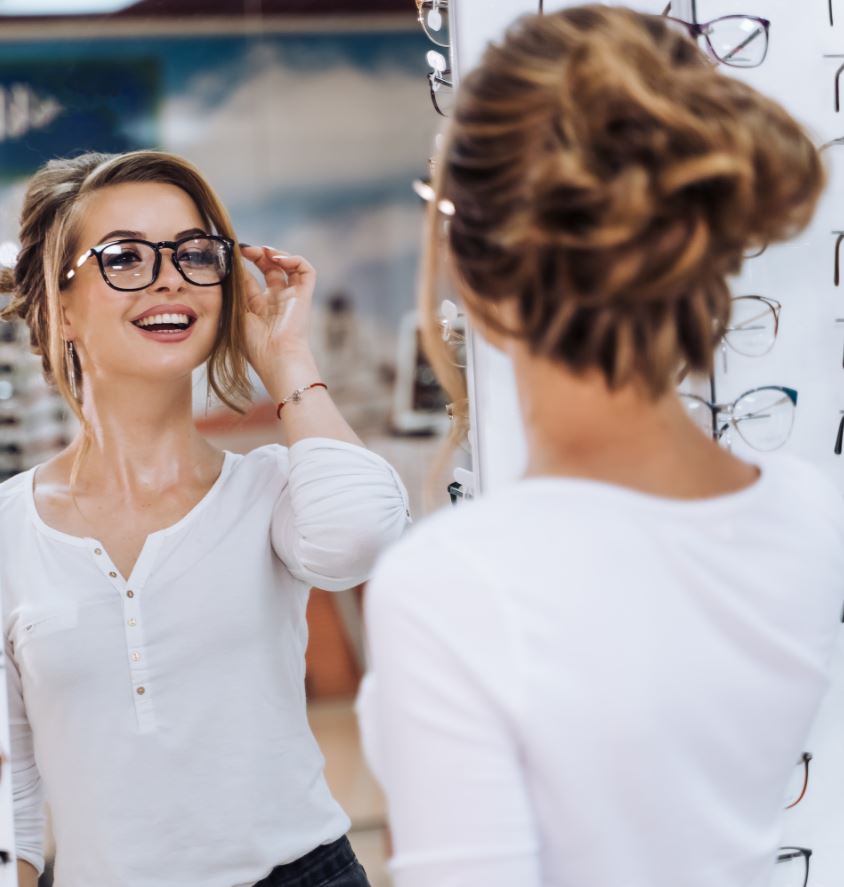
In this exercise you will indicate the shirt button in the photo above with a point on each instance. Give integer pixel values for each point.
(98, 551)
(136, 657)
(113, 574)
(140, 691)
(130, 593)
(133, 622)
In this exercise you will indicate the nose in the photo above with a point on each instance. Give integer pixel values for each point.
(169, 277)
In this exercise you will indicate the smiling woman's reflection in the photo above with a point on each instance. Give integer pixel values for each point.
(154, 588)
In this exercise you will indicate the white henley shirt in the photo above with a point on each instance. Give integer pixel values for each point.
(576, 685)
(162, 715)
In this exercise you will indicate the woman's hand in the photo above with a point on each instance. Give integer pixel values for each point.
(278, 320)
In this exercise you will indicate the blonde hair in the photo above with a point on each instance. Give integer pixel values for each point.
(606, 177)
(55, 202)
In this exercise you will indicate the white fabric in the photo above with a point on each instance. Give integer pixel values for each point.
(211, 777)
(574, 685)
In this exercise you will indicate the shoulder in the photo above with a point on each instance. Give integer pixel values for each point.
(456, 548)
(267, 466)
(13, 492)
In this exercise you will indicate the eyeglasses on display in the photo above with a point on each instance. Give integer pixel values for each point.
(739, 41)
(433, 16)
(800, 783)
(440, 83)
(754, 324)
(829, 8)
(839, 437)
(792, 868)
(763, 417)
(129, 265)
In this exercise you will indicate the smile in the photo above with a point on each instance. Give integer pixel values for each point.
(165, 323)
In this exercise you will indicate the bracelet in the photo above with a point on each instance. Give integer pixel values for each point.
(296, 396)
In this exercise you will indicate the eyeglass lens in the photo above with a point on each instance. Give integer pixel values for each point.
(131, 264)
(737, 40)
(764, 418)
(753, 326)
(433, 16)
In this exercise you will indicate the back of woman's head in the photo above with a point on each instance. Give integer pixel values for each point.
(54, 205)
(606, 177)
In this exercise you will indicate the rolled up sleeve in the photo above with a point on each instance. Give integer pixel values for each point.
(27, 792)
(341, 507)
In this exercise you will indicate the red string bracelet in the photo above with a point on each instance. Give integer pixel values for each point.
(296, 396)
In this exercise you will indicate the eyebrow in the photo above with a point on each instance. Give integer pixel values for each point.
(121, 234)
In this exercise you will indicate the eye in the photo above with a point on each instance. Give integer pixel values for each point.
(198, 257)
(121, 257)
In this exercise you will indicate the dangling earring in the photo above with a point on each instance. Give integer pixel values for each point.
(70, 358)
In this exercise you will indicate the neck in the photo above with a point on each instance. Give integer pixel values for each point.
(142, 434)
(576, 427)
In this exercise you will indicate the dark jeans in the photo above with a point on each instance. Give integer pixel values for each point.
(331, 865)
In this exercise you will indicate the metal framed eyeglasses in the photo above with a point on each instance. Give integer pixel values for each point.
(433, 17)
(753, 328)
(739, 41)
(763, 417)
(129, 265)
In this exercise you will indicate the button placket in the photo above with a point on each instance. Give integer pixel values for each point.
(133, 628)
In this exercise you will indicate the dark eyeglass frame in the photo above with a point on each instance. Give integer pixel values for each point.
(423, 6)
(700, 29)
(436, 79)
(787, 853)
(172, 245)
(805, 758)
(717, 408)
(836, 275)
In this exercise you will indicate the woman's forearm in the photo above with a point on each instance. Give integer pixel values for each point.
(315, 415)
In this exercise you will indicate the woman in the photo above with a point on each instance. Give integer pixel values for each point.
(604, 674)
(154, 588)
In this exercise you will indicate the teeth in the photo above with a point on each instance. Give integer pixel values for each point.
(163, 318)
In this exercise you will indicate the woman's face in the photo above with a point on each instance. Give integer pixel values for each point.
(115, 332)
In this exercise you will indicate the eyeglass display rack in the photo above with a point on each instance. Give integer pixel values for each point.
(804, 61)
(34, 422)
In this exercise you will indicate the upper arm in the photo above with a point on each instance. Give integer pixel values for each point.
(341, 506)
(438, 734)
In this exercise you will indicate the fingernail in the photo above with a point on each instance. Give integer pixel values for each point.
(279, 258)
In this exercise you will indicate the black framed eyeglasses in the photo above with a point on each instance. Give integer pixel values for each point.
(792, 868)
(132, 264)
(763, 417)
(739, 41)
(433, 17)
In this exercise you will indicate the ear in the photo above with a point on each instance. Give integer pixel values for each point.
(66, 309)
